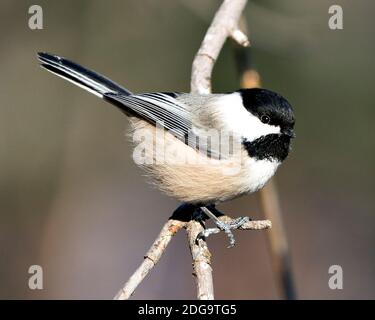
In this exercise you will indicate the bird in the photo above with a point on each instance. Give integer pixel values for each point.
(201, 149)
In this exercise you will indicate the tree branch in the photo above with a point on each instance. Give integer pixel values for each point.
(224, 25)
(151, 258)
(202, 270)
(198, 248)
(250, 225)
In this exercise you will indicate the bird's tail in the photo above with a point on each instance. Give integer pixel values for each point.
(80, 76)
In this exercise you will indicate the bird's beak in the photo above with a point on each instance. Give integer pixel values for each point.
(289, 133)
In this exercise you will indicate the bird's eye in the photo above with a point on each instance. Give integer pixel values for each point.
(265, 119)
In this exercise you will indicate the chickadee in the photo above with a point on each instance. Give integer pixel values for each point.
(258, 122)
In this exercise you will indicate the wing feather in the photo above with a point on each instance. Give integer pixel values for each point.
(165, 110)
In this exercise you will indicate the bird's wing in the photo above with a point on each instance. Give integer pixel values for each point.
(157, 108)
(164, 109)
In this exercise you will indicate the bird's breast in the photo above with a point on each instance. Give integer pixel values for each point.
(256, 173)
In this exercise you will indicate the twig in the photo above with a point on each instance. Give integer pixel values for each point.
(250, 225)
(278, 243)
(151, 258)
(198, 248)
(201, 256)
(224, 25)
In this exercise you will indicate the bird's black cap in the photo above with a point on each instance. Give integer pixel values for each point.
(266, 102)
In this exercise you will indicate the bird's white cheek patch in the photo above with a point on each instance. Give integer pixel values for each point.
(241, 121)
(256, 128)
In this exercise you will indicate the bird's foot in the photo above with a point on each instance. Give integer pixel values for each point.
(227, 227)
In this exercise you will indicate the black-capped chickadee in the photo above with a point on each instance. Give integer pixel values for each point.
(199, 149)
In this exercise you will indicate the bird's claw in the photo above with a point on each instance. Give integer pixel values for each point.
(226, 227)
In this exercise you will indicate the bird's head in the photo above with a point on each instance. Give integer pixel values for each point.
(270, 124)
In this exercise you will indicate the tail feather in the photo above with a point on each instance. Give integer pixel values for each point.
(79, 75)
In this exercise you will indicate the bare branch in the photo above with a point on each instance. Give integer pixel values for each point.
(201, 256)
(250, 225)
(278, 242)
(151, 258)
(224, 25)
(240, 38)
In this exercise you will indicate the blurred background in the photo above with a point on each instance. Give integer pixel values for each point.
(72, 201)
